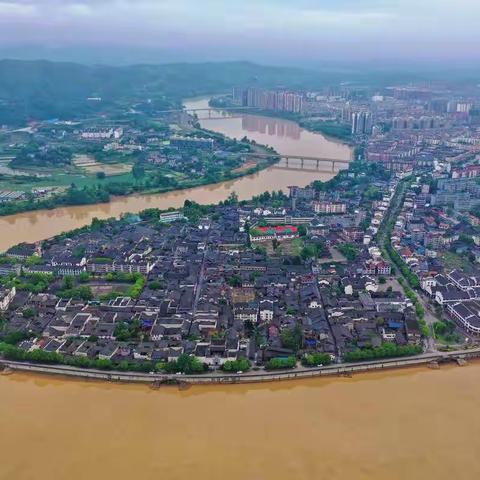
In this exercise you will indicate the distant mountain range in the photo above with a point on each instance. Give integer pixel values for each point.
(40, 89)
(43, 89)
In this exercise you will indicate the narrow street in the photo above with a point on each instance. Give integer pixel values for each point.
(198, 286)
(337, 352)
(430, 319)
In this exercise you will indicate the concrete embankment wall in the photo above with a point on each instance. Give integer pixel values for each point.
(251, 377)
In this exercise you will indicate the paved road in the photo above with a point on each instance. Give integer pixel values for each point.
(220, 377)
(393, 211)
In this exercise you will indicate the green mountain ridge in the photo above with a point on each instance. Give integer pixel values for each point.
(38, 90)
(43, 89)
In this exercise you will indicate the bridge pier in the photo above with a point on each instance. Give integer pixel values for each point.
(333, 166)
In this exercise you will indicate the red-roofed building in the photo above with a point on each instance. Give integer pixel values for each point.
(280, 229)
(405, 253)
(280, 232)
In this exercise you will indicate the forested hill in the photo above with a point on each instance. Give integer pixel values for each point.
(36, 90)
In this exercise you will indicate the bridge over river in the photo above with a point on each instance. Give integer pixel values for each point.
(213, 113)
(303, 163)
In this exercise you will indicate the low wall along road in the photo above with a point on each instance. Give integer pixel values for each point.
(250, 377)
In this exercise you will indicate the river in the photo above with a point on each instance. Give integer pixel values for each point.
(283, 135)
(414, 423)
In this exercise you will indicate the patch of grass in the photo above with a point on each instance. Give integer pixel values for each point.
(453, 261)
(63, 180)
(297, 245)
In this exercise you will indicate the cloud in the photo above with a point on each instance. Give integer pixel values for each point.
(15, 9)
(250, 28)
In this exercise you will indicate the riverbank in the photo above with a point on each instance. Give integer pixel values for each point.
(105, 196)
(42, 224)
(103, 193)
(345, 369)
(288, 138)
(328, 128)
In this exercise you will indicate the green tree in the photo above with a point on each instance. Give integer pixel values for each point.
(155, 285)
(188, 364)
(309, 251)
(302, 230)
(240, 365)
(349, 251)
(232, 199)
(315, 359)
(68, 282)
(28, 312)
(84, 277)
(373, 193)
(13, 338)
(386, 350)
(320, 249)
(235, 281)
(138, 171)
(292, 339)
(281, 363)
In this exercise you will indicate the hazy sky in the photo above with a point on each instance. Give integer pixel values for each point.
(277, 31)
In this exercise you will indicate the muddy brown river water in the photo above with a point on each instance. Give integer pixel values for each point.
(405, 424)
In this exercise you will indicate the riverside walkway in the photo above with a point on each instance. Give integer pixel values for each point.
(249, 377)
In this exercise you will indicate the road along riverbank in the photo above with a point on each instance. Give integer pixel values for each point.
(346, 369)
